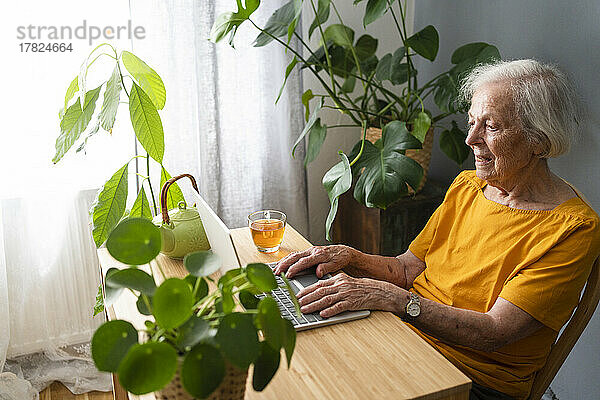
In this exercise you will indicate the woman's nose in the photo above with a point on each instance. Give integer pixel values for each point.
(473, 135)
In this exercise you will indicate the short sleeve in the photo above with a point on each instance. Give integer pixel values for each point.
(420, 245)
(549, 288)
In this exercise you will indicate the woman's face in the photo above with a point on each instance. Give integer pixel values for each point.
(496, 136)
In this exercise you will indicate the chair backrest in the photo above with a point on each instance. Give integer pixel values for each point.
(561, 349)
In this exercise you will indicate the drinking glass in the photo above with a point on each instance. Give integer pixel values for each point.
(267, 228)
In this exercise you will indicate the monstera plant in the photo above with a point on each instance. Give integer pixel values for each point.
(383, 92)
(84, 116)
(193, 336)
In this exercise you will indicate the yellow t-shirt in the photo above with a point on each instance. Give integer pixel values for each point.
(476, 250)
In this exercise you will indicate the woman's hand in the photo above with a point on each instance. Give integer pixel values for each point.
(326, 258)
(342, 293)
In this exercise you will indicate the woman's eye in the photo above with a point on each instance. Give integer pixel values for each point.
(492, 128)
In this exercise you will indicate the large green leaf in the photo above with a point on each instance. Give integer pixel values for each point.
(148, 367)
(265, 367)
(288, 71)
(365, 47)
(134, 241)
(146, 123)
(386, 169)
(269, 321)
(202, 371)
(309, 125)
(202, 263)
(316, 138)
(474, 51)
(141, 206)
(192, 332)
(174, 195)
(421, 125)
(172, 303)
(238, 339)
(109, 206)
(336, 181)
(71, 90)
(261, 276)
(279, 22)
(74, 122)
(110, 104)
(132, 278)
(426, 42)
(227, 23)
(321, 16)
(110, 344)
(445, 93)
(391, 68)
(289, 342)
(375, 9)
(147, 78)
(452, 143)
(338, 34)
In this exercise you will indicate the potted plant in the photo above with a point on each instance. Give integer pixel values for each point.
(355, 82)
(201, 333)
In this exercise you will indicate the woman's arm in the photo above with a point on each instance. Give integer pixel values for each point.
(401, 270)
(504, 323)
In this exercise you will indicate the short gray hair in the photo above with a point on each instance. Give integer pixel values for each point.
(545, 101)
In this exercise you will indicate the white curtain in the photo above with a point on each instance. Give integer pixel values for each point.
(220, 120)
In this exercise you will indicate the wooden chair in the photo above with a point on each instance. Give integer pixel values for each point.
(561, 349)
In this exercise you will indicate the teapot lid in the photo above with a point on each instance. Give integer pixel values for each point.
(182, 213)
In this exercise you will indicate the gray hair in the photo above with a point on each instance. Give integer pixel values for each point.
(545, 101)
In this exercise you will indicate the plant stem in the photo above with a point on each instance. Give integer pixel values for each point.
(196, 287)
(158, 334)
(362, 145)
(150, 183)
(147, 302)
(352, 109)
(122, 81)
(293, 51)
(324, 45)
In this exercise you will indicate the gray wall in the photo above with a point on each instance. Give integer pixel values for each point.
(559, 32)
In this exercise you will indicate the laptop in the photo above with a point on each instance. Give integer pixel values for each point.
(221, 244)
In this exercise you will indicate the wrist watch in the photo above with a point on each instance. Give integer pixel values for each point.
(413, 307)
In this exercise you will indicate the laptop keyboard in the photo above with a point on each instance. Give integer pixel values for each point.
(286, 306)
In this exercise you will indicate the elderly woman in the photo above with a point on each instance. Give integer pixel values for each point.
(499, 267)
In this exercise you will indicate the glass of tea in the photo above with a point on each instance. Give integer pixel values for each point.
(267, 227)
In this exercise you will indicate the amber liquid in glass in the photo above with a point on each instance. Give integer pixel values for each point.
(267, 233)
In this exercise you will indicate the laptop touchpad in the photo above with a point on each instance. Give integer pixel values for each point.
(306, 280)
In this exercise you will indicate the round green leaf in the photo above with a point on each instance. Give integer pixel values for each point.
(269, 321)
(289, 342)
(148, 367)
(133, 279)
(172, 303)
(339, 34)
(202, 371)
(238, 340)
(248, 300)
(261, 276)
(265, 367)
(202, 263)
(233, 277)
(192, 332)
(110, 344)
(135, 241)
(142, 306)
(426, 42)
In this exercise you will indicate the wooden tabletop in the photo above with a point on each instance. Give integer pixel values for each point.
(378, 357)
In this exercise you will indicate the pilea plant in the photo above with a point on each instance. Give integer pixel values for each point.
(82, 118)
(356, 82)
(191, 330)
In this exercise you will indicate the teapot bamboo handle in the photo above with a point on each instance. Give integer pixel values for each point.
(164, 191)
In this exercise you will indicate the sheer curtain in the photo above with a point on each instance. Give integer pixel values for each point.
(220, 120)
(48, 263)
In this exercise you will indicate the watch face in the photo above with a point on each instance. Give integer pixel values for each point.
(413, 310)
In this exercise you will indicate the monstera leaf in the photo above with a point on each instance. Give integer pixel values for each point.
(228, 23)
(336, 181)
(387, 170)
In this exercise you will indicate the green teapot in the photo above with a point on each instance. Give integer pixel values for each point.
(181, 228)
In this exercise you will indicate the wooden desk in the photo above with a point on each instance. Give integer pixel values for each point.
(378, 357)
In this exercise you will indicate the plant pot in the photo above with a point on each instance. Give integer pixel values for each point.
(422, 156)
(233, 387)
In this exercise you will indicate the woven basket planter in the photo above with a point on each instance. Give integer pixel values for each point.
(233, 387)
(422, 156)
